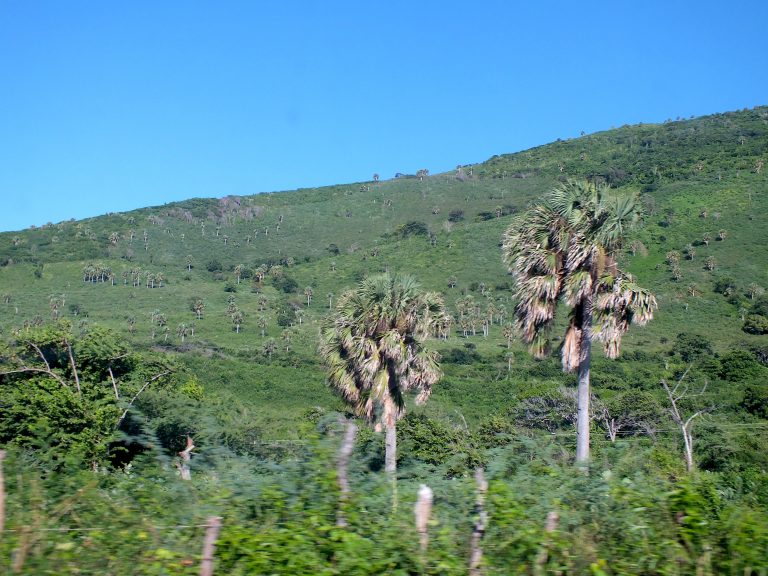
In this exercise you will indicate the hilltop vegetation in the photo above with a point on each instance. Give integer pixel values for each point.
(225, 298)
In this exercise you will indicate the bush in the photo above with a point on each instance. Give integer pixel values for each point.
(286, 284)
(755, 324)
(691, 347)
(412, 228)
(456, 216)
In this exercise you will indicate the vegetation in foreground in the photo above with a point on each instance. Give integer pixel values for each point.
(131, 337)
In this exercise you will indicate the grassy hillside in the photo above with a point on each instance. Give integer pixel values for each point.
(702, 181)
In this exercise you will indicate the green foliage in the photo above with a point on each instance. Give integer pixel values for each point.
(756, 401)
(692, 347)
(756, 324)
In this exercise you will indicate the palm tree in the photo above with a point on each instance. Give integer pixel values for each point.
(237, 319)
(308, 292)
(563, 250)
(373, 349)
(198, 306)
(269, 347)
(189, 260)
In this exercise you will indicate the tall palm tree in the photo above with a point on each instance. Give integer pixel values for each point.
(562, 250)
(373, 349)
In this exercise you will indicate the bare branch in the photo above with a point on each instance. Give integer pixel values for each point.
(74, 368)
(114, 384)
(147, 383)
(39, 370)
(40, 352)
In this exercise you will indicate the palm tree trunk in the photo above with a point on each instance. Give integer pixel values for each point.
(390, 442)
(585, 356)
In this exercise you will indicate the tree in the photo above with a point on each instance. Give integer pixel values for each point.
(308, 292)
(237, 319)
(269, 348)
(198, 306)
(754, 289)
(374, 350)
(189, 260)
(562, 250)
(675, 395)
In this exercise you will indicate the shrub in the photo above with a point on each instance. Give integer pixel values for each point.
(456, 216)
(755, 324)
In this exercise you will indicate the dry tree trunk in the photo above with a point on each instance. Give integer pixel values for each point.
(186, 455)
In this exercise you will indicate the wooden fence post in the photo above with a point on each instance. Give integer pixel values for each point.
(543, 556)
(423, 511)
(209, 545)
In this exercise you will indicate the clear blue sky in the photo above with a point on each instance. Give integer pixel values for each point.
(110, 106)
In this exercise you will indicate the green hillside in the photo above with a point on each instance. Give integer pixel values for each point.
(697, 178)
(225, 298)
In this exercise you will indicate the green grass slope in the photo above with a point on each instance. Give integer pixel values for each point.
(702, 180)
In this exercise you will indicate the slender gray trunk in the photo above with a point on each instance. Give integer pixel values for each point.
(481, 520)
(342, 466)
(585, 356)
(390, 443)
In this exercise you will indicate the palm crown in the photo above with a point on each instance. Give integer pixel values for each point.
(564, 250)
(373, 345)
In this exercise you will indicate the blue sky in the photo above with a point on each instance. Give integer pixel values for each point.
(108, 106)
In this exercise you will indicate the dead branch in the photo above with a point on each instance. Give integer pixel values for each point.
(50, 373)
(147, 383)
(74, 367)
(114, 383)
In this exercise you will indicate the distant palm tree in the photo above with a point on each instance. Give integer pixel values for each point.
(308, 292)
(269, 347)
(237, 319)
(198, 306)
(563, 250)
(373, 349)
